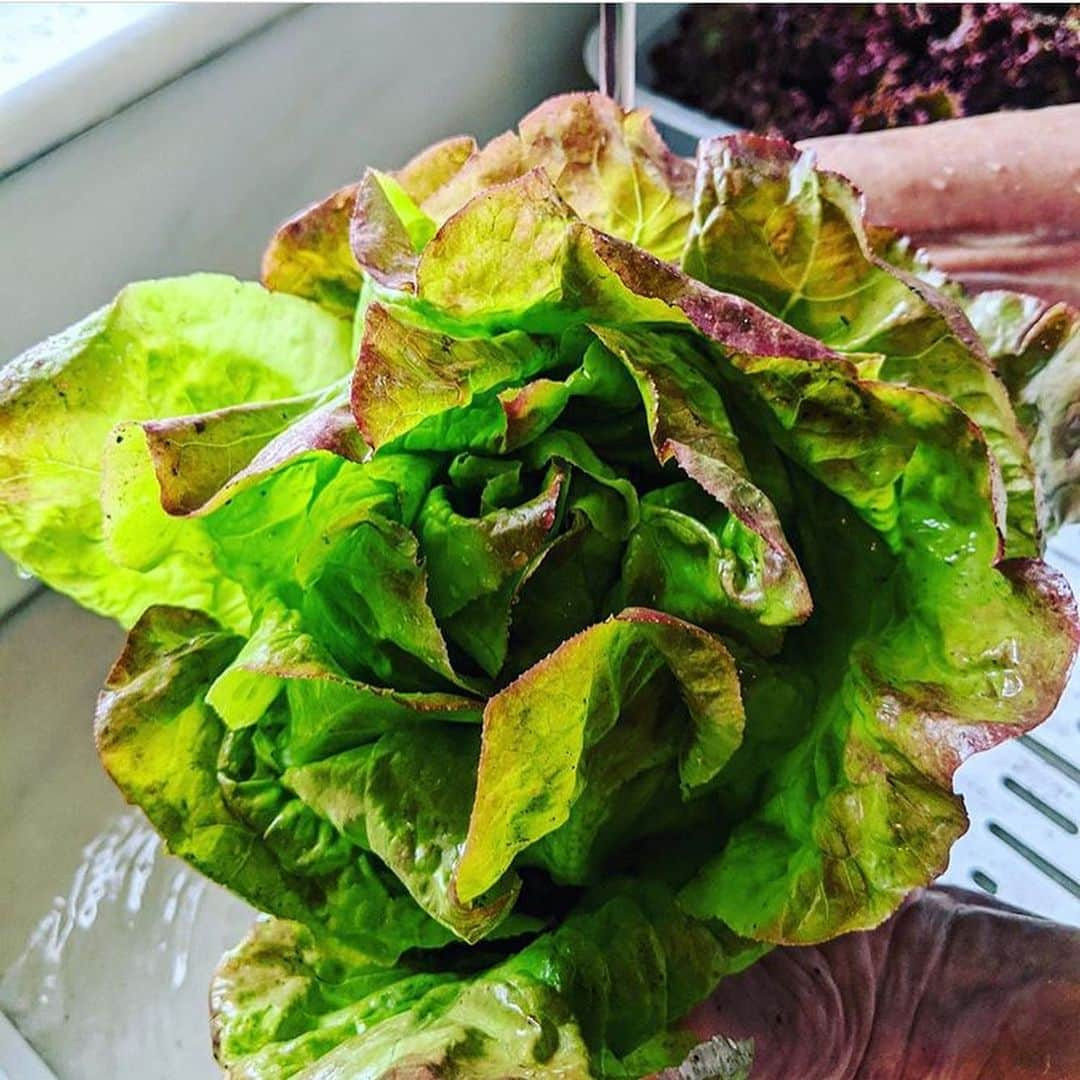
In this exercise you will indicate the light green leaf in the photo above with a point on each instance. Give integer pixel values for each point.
(771, 227)
(537, 729)
(161, 743)
(1036, 347)
(161, 349)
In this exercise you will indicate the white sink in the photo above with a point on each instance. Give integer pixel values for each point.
(107, 944)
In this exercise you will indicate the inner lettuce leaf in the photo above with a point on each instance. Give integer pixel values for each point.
(537, 631)
(688, 423)
(160, 349)
(304, 493)
(536, 735)
(770, 226)
(477, 563)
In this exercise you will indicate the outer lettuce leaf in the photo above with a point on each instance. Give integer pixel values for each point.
(925, 648)
(1036, 347)
(221, 804)
(160, 479)
(405, 797)
(311, 256)
(571, 1004)
(284, 997)
(193, 458)
(162, 348)
(302, 494)
(387, 231)
(434, 166)
(285, 1004)
(771, 227)
(535, 736)
(1033, 346)
(611, 167)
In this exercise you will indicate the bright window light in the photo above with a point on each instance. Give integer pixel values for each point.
(37, 37)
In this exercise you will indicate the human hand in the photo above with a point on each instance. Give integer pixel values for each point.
(955, 986)
(994, 199)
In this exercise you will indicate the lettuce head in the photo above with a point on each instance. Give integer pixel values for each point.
(573, 571)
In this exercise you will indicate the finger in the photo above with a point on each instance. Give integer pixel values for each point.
(952, 987)
(996, 198)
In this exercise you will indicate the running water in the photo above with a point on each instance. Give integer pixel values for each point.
(113, 980)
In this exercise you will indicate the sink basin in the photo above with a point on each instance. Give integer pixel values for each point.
(107, 944)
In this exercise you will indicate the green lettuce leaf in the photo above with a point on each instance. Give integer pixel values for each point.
(1036, 347)
(923, 649)
(355, 576)
(161, 479)
(555, 273)
(535, 737)
(220, 801)
(285, 997)
(771, 227)
(327, 710)
(1033, 347)
(165, 348)
(311, 254)
(286, 1003)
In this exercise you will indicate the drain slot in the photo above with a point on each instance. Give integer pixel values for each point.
(1044, 808)
(1053, 872)
(1051, 758)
